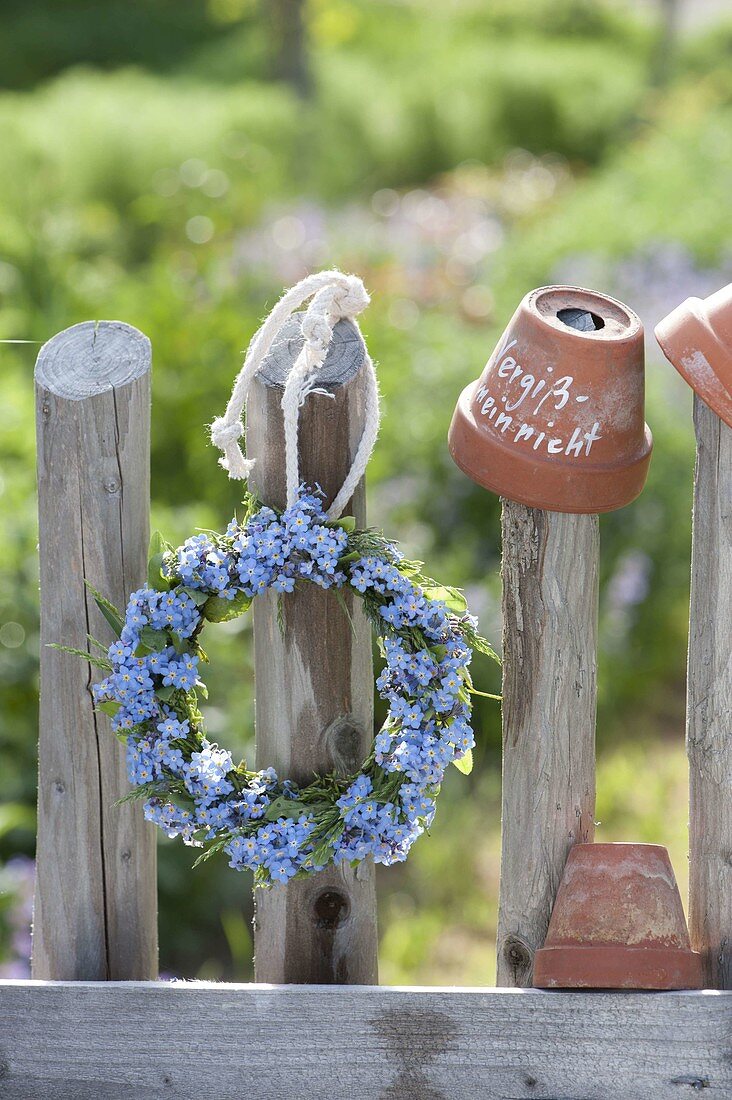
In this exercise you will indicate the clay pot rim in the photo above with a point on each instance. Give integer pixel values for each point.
(605, 844)
(594, 302)
(617, 967)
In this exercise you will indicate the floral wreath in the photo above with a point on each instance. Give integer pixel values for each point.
(191, 787)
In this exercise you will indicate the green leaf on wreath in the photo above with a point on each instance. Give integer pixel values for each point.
(285, 807)
(199, 598)
(156, 554)
(155, 578)
(465, 763)
(324, 850)
(410, 568)
(151, 641)
(180, 645)
(218, 610)
(101, 663)
(110, 612)
(156, 639)
(478, 643)
(347, 523)
(451, 597)
(110, 707)
(157, 544)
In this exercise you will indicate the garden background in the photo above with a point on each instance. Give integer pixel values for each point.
(174, 163)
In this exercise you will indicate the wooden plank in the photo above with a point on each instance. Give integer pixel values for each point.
(80, 1041)
(550, 598)
(95, 902)
(314, 681)
(709, 700)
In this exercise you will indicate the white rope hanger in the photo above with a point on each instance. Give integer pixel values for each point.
(334, 296)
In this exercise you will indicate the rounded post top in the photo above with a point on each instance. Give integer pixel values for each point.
(346, 354)
(91, 358)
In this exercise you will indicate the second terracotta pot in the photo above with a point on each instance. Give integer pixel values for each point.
(618, 923)
(697, 338)
(556, 420)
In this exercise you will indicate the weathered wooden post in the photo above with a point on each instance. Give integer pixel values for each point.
(697, 338)
(709, 700)
(314, 681)
(95, 902)
(554, 425)
(550, 597)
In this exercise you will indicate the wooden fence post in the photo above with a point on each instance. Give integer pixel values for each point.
(314, 682)
(95, 900)
(550, 598)
(709, 700)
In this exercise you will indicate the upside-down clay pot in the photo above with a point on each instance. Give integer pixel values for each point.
(618, 923)
(697, 338)
(556, 419)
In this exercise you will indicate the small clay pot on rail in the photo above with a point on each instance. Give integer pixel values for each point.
(618, 923)
(696, 338)
(556, 420)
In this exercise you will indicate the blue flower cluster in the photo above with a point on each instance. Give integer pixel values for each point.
(271, 551)
(194, 789)
(428, 725)
(280, 848)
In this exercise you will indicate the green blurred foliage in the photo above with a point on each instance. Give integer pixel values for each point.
(42, 39)
(455, 155)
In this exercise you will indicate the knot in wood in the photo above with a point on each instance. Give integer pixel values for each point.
(330, 909)
(344, 740)
(519, 957)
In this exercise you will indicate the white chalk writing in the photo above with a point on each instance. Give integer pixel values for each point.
(530, 394)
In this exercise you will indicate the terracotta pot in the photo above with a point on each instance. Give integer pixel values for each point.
(618, 923)
(556, 419)
(697, 338)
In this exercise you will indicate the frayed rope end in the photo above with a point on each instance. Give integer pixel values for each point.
(236, 465)
(226, 437)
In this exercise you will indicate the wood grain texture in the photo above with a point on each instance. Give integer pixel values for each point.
(95, 901)
(550, 598)
(314, 681)
(709, 700)
(152, 1040)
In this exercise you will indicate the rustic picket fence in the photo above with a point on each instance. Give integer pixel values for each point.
(94, 1022)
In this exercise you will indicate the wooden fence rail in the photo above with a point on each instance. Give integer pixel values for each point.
(95, 896)
(218, 1042)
